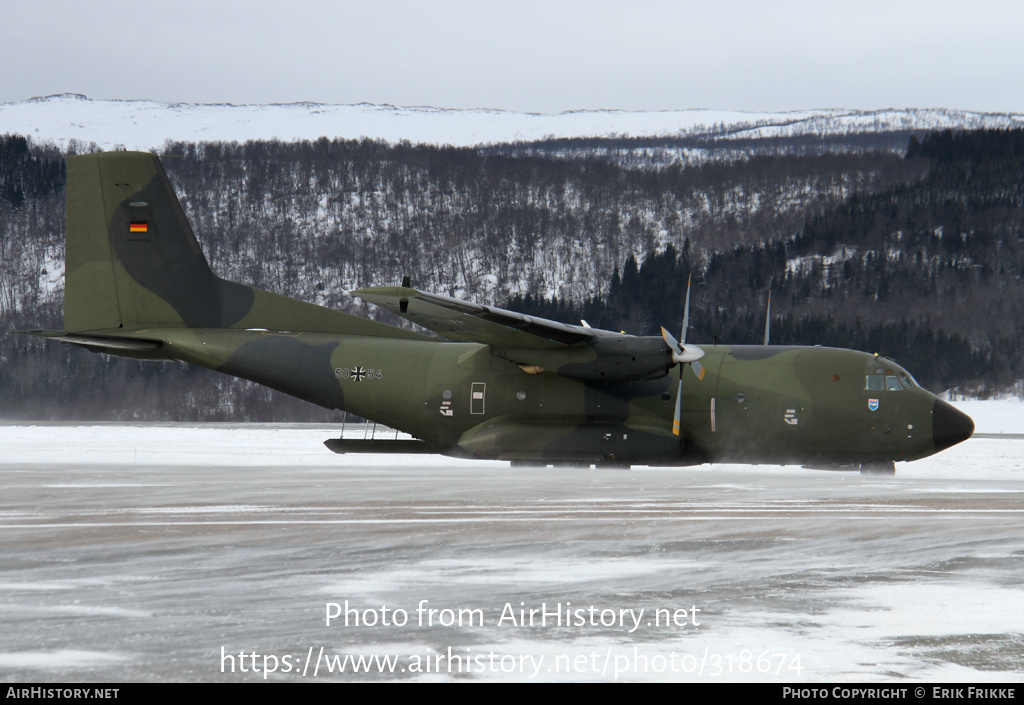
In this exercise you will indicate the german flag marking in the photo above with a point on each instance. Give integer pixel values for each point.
(138, 226)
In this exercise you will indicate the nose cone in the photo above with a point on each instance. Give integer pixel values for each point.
(949, 426)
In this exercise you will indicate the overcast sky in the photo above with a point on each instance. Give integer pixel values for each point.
(526, 55)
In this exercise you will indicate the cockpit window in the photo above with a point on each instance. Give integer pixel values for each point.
(884, 375)
(908, 381)
(889, 380)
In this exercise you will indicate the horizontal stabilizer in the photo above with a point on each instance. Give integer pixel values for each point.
(99, 343)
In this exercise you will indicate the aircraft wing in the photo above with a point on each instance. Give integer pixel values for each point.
(471, 322)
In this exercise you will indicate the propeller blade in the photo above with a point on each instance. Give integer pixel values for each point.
(768, 318)
(679, 408)
(672, 343)
(686, 311)
(682, 354)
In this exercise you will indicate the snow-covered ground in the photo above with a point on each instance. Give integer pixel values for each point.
(161, 552)
(994, 416)
(147, 125)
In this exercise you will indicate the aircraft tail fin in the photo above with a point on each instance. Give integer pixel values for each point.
(132, 262)
(132, 259)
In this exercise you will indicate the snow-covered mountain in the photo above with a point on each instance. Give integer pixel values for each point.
(147, 125)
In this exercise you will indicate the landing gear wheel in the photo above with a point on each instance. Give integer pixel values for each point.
(882, 468)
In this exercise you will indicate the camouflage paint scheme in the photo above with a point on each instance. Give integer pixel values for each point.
(508, 387)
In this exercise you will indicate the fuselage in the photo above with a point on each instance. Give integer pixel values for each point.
(753, 404)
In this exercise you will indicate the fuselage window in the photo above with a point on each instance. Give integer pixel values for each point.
(875, 383)
(892, 383)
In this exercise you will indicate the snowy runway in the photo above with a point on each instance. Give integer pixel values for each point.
(217, 553)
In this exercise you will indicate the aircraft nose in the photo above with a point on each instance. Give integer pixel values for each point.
(949, 425)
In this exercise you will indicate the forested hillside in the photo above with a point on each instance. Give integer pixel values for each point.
(917, 257)
(930, 272)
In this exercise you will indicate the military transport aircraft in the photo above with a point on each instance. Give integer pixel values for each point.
(504, 386)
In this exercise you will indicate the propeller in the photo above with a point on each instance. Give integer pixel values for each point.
(682, 354)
